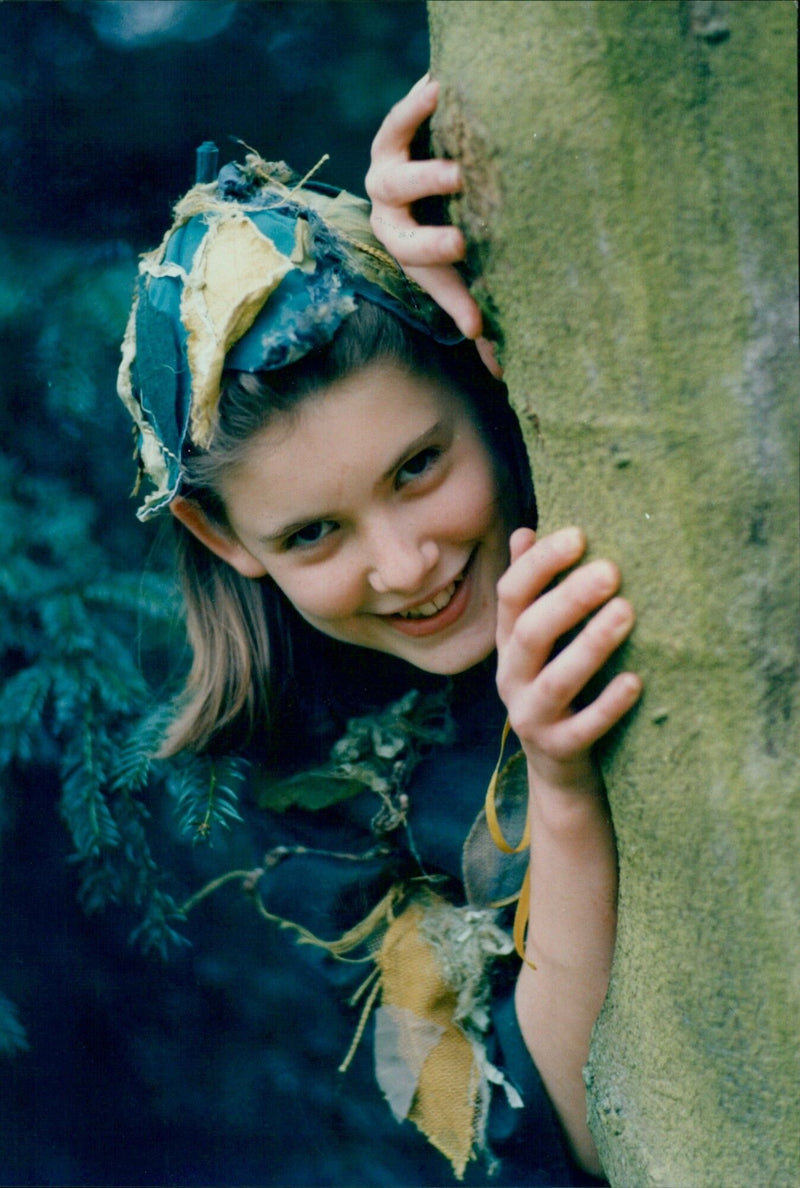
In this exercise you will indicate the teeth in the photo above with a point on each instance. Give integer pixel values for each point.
(434, 606)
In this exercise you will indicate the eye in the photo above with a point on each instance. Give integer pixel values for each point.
(418, 465)
(310, 534)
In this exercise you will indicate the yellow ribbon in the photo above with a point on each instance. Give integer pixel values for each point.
(522, 898)
(491, 808)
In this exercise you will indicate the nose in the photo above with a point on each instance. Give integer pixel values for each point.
(399, 559)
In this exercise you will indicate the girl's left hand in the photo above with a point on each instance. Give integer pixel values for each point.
(573, 867)
(539, 686)
(393, 183)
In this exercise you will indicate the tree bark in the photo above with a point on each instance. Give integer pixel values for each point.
(630, 204)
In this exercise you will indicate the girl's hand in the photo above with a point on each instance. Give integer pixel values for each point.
(538, 687)
(393, 183)
(573, 869)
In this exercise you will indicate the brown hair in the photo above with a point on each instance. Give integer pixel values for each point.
(244, 634)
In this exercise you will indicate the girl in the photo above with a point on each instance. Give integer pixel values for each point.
(355, 533)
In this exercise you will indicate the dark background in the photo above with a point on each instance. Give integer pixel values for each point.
(102, 105)
(136, 1071)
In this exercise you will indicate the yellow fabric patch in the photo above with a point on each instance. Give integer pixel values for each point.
(446, 1103)
(235, 270)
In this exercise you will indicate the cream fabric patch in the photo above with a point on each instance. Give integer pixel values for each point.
(403, 1042)
(235, 270)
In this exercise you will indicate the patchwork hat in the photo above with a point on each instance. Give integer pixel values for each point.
(257, 269)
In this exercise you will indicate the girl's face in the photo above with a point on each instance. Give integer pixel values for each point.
(374, 508)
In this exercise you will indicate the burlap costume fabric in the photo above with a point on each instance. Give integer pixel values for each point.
(430, 1025)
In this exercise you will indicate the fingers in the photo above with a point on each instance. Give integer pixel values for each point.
(394, 182)
(413, 245)
(558, 680)
(540, 685)
(400, 125)
(540, 702)
(589, 724)
(399, 182)
(448, 290)
(532, 571)
(570, 736)
(521, 540)
(486, 351)
(562, 679)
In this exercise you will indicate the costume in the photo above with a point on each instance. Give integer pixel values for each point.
(379, 875)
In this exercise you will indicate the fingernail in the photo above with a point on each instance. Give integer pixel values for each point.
(624, 616)
(608, 577)
(425, 83)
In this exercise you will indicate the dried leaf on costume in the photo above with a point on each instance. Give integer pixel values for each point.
(491, 875)
(430, 1057)
(378, 752)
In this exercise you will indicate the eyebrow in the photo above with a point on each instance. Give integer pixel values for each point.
(413, 447)
(408, 451)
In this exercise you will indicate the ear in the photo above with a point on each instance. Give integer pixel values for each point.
(221, 543)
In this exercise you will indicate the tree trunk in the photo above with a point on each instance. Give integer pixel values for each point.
(630, 202)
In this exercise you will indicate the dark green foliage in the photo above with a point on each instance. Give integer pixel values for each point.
(82, 611)
(73, 697)
(72, 688)
(206, 794)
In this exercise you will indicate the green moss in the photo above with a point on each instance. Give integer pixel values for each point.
(642, 265)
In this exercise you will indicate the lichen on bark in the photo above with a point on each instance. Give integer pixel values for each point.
(637, 247)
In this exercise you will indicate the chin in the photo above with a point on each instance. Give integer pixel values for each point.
(449, 661)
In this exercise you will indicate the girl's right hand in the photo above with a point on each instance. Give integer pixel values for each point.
(393, 183)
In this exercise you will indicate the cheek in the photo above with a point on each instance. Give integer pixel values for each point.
(473, 500)
(323, 592)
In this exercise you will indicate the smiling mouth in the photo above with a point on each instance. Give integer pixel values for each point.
(436, 604)
(439, 612)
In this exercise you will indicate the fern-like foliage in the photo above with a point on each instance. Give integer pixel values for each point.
(206, 792)
(72, 694)
(75, 613)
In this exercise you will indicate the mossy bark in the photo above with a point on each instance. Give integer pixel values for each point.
(630, 202)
